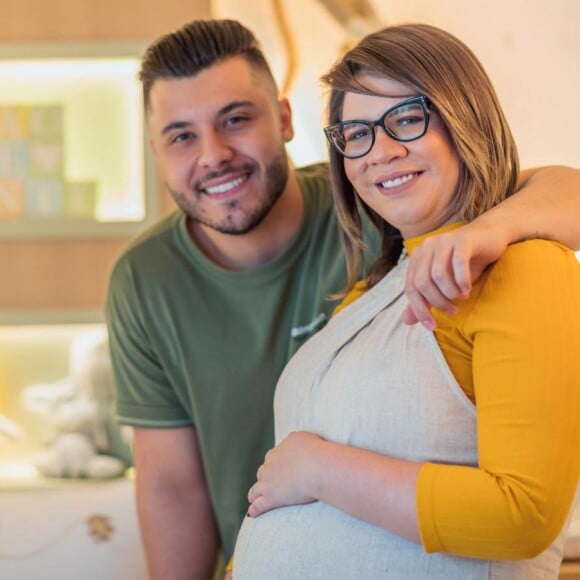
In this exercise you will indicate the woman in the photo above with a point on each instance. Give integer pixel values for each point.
(404, 453)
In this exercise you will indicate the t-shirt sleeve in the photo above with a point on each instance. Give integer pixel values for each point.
(526, 377)
(144, 395)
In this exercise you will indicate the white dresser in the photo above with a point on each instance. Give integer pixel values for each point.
(69, 529)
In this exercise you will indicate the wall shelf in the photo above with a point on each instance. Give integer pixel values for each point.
(73, 155)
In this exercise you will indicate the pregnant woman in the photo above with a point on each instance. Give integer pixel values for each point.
(405, 453)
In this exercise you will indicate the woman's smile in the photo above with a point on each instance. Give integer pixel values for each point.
(410, 184)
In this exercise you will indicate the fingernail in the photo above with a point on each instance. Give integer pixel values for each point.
(428, 324)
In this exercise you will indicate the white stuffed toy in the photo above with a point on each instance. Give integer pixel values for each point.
(9, 430)
(87, 441)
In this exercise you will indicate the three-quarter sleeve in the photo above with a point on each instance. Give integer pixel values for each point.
(515, 348)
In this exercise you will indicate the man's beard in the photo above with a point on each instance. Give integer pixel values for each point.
(276, 179)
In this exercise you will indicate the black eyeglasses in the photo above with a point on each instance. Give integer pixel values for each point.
(406, 121)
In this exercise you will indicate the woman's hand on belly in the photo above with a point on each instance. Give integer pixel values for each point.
(287, 475)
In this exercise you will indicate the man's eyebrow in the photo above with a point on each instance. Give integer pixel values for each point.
(176, 125)
(234, 105)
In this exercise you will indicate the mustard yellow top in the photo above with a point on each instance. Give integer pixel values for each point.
(514, 347)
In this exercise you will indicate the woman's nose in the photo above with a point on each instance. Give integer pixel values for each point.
(385, 149)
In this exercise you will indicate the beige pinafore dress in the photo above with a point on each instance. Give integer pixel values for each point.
(370, 381)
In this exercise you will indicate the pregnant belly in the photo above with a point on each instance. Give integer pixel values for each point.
(316, 541)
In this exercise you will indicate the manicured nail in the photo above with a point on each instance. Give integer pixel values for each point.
(428, 324)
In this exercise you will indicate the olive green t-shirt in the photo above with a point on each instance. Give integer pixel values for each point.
(195, 344)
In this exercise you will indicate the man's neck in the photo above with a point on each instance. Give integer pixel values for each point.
(263, 243)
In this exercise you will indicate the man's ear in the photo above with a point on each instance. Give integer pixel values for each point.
(286, 125)
(152, 147)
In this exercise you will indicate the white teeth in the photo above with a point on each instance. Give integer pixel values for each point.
(398, 181)
(223, 187)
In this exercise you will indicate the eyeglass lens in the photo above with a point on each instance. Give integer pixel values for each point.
(404, 123)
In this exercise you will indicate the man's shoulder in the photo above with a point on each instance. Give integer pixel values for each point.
(151, 249)
(320, 169)
(314, 178)
(314, 181)
(157, 235)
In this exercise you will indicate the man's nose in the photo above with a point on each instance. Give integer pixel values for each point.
(214, 150)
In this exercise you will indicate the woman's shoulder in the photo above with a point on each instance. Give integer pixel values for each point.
(534, 285)
(538, 248)
(536, 257)
(533, 266)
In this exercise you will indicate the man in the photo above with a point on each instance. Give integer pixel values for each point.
(205, 308)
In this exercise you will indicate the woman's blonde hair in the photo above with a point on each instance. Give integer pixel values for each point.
(438, 65)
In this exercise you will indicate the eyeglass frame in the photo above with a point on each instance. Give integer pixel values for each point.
(380, 122)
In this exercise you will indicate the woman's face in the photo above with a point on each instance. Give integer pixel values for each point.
(409, 184)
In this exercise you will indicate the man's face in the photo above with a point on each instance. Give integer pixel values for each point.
(218, 139)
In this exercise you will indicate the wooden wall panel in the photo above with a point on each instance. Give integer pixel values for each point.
(74, 20)
(72, 274)
(55, 274)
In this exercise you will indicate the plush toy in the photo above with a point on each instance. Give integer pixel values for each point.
(87, 440)
(9, 430)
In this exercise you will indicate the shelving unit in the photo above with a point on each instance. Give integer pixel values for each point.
(74, 159)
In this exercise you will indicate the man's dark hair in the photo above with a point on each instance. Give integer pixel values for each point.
(197, 46)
